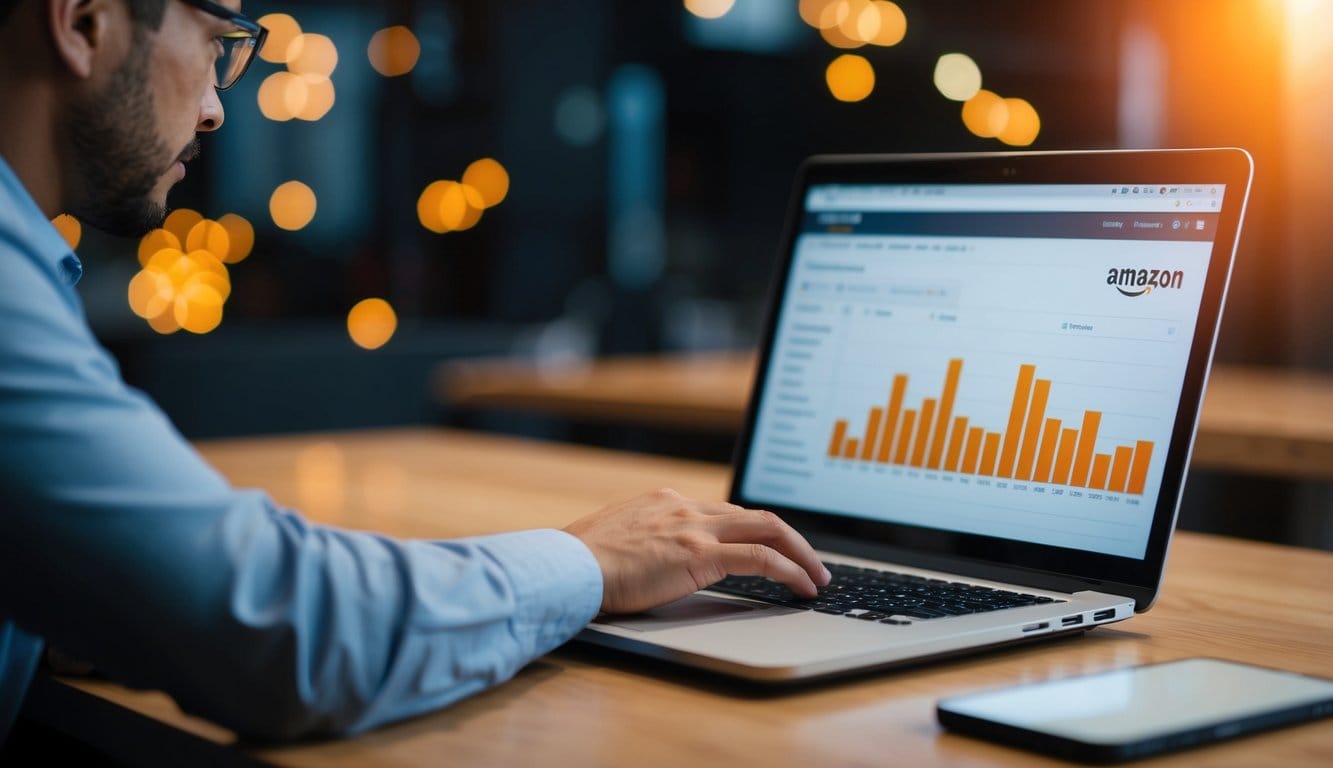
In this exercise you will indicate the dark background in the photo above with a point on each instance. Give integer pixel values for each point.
(636, 117)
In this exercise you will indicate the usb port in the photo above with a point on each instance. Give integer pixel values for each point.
(1070, 621)
(1035, 627)
(1109, 613)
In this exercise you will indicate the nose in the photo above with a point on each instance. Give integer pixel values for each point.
(210, 111)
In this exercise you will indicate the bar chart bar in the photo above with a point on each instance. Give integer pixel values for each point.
(946, 411)
(1120, 468)
(1036, 415)
(1101, 463)
(905, 438)
(839, 434)
(1045, 456)
(1012, 434)
(1033, 447)
(872, 432)
(989, 451)
(1087, 439)
(1138, 471)
(891, 419)
(973, 453)
(955, 444)
(923, 432)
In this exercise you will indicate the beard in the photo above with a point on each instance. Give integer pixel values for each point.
(118, 155)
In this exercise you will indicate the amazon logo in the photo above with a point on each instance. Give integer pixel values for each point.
(1137, 282)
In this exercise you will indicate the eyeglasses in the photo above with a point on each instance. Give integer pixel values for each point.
(237, 48)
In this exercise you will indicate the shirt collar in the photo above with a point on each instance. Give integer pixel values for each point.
(20, 216)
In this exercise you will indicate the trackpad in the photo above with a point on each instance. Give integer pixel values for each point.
(692, 611)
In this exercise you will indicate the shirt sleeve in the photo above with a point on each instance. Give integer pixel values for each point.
(120, 545)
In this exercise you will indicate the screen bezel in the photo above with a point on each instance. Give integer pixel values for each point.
(985, 554)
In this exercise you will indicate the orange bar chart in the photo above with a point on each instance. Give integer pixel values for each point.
(1032, 447)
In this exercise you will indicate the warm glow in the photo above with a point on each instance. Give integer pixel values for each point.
(209, 236)
(292, 205)
(957, 76)
(861, 22)
(371, 323)
(155, 241)
(835, 13)
(282, 30)
(709, 9)
(151, 293)
(1023, 124)
(312, 55)
(394, 51)
(890, 24)
(69, 228)
(164, 323)
(198, 308)
(282, 96)
(833, 36)
(180, 222)
(319, 97)
(812, 12)
(985, 114)
(850, 78)
(460, 206)
(428, 206)
(241, 236)
(490, 179)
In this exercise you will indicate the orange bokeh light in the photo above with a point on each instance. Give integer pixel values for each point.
(371, 323)
(394, 51)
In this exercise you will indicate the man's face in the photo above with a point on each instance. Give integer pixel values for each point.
(131, 138)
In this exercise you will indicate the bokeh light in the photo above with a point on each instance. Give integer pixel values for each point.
(241, 236)
(460, 206)
(198, 308)
(292, 205)
(69, 228)
(282, 30)
(371, 323)
(985, 114)
(490, 179)
(209, 236)
(1023, 124)
(428, 206)
(394, 51)
(283, 95)
(812, 12)
(890, 23)
(151, 294)
(312, 54)
(957, 76)
(709, 9)
(319, 97)
(180, 221)
(850, 78)
(157, 240)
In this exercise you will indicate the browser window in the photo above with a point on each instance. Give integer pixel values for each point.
(1002, 360)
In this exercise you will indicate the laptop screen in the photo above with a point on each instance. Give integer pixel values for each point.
(1005, 360)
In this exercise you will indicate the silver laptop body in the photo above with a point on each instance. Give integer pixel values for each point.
(982, 369)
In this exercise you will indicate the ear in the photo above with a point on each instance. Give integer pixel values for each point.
(86, 32)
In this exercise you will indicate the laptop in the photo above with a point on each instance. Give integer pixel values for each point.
(977, 393)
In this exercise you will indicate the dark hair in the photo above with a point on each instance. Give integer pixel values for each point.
(146, 12)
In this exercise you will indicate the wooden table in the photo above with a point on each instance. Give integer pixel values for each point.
(1227, 598)
(1255, 420)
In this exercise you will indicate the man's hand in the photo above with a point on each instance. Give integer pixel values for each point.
(662, 546)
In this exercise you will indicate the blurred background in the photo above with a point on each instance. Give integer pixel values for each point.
(404, 183)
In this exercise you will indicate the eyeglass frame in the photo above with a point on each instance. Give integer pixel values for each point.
(246, 24)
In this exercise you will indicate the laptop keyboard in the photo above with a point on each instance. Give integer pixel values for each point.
(867, 594)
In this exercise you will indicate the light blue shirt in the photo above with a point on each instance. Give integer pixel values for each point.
(119, 545)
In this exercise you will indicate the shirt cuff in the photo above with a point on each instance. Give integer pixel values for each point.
(556, 580)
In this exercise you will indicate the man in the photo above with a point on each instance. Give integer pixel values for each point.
(120, 546)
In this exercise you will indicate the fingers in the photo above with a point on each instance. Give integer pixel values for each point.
(759, 560)
(748, 526)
